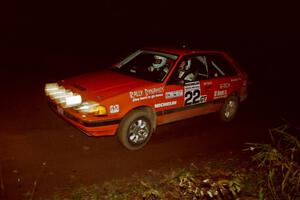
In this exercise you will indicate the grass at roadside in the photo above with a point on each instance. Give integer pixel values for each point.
(226, 178)
(266, 171)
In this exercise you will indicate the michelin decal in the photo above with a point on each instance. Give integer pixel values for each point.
(165, 104)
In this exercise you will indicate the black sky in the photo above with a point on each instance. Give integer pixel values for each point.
(68, 35)
(251, 30)
(110, 23)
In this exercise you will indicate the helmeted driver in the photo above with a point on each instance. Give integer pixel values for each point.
(159, 64)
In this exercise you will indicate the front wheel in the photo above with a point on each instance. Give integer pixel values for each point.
(229, 108)
(135, 129)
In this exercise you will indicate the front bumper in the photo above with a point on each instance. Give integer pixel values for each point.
(99, 127)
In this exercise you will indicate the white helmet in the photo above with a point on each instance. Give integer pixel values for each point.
(159, 61)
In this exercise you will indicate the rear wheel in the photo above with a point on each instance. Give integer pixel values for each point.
(229, 108)
(135, 129)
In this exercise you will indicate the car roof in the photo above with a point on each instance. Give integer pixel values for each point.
(180, 51)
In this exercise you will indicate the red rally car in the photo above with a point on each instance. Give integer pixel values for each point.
(149, 88)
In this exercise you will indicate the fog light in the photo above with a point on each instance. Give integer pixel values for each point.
(73, 100)
(50, 88)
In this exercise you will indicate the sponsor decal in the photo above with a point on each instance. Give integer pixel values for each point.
(153, 91)
(114, 108)
(224, 85)
(139, 95)
(192, 86)
(165, 104)
(192, 94)
(136, 94)
(174, 94)
(220, 94)
(203, 99)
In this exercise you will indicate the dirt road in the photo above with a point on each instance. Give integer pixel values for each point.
(39, 150)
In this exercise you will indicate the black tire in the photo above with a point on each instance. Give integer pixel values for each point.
(135, 129)
(229, 108)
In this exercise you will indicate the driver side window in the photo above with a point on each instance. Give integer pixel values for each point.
(182, 72)
(190, 69)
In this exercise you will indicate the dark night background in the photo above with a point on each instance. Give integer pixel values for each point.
(48, 40)
(44, 41)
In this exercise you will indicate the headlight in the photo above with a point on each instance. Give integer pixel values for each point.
(62, 96)
(91, 107)
(51, 88)
(67, 99)
(73, 100)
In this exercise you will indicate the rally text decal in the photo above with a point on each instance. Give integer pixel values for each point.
(139, 95)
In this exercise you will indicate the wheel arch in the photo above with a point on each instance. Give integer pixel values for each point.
(150, 111)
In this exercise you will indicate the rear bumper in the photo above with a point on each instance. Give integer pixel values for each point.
(89, 127)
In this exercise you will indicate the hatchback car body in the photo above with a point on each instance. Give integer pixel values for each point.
(149, 88)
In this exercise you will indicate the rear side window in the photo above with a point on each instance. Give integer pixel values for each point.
(220, 66)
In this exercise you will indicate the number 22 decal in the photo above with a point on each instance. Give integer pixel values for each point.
(192, 94)
(192, 97)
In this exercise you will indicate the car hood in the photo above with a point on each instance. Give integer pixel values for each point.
(105, 83)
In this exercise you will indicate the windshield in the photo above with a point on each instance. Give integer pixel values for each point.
(148, 65)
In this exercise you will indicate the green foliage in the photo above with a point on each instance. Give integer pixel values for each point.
(277, 177)
(190, 184)
(279, 160)
(182, 184)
